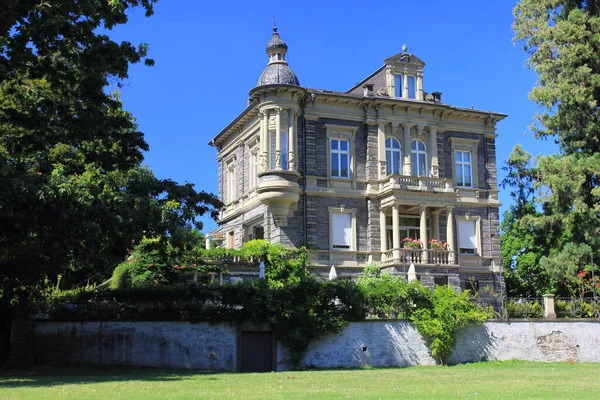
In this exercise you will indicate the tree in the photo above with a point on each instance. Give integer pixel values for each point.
(522, 246)
(562, 39)
(73, 195)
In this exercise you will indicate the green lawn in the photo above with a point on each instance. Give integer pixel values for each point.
(512, 380)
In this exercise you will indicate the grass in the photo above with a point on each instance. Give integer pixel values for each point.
(493, 380)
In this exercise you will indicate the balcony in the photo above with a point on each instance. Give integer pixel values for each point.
(406, 256)
(424, 183)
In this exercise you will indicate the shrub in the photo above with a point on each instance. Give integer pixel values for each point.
(448, 312)
(388, 297)
(525, 309)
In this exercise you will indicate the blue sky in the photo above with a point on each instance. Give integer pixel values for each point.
(210, 54)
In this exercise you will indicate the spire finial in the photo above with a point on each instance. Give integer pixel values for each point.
(274, 23)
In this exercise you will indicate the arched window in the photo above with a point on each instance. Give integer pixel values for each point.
(392, 156)
(418, 158)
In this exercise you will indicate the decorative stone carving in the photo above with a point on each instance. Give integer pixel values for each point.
(278, 159)
(291, 161)
(434, 171)
(382, 169)
(263, 162)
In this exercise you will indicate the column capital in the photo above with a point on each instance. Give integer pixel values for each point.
(450, 208)
(422, 207)
(436, 212)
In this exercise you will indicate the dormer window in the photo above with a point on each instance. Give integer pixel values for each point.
(399, 86)
(411, 86)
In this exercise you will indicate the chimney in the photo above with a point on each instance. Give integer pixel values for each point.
(368, 90)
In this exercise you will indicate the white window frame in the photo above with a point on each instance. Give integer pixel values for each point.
(463, 165)
(230, 181)
(470, 145)
(389, 153)
(250, 228)
(339, 152)
(341, 132)
(476, 221)
(253, 169)
(352, 213)
(414, 168)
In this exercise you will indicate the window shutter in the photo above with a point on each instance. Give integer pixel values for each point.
(341, 230)
(467, 234)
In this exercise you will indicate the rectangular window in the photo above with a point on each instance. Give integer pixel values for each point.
(272, 144)
(464, 168)
(340, 158)
(440, 280)
(255, 232)
(411, 87)
(467, 234)
(398, 85)
(230, 191)
(253, 170)
(283, 141)
(341, 230)
(230, 240)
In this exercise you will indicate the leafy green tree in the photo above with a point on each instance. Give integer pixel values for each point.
(522, 246)
(562, 39)
(73, 196)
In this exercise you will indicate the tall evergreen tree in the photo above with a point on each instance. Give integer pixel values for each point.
(73, 196)
(562, 39)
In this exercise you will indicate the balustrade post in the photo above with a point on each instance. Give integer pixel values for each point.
(396, 232)
(382, 233)
(450, 233)
(423, 229)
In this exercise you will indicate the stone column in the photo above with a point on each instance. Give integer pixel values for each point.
(405, 82)
(292, 141)
(382, 232)
(264, 141)
(549, 306)
(389, 71)
(406, 150)
(423, 231)
(450, 233)
(381, 156)
(434, 152)
(435, 221)
(396, 231)
(278, 138)
(420, 86)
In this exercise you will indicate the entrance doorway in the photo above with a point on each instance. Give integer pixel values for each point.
(257, 351)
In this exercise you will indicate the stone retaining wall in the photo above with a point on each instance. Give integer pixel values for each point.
(369, 343)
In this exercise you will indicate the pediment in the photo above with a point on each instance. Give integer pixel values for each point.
(405, 58)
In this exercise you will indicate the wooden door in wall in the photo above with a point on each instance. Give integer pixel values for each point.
(257, 351)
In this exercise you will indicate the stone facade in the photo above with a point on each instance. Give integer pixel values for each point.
(281, 170)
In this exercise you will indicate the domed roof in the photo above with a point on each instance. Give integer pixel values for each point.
(275, 43)
(278, 74)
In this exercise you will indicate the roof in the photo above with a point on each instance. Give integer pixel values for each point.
(278, 74)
